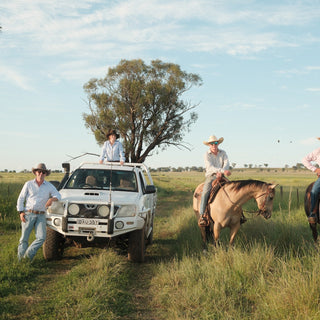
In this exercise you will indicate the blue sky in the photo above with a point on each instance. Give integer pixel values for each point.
(259, 61)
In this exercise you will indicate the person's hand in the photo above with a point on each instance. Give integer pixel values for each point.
(227, 172)
(49, 202)
(121, 163)
(22, 217)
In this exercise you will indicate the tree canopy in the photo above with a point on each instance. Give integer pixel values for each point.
(144, 104)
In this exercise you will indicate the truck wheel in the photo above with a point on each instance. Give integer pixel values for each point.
(53, 247)
(136, 246)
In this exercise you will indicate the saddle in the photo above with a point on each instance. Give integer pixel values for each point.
(216, 185)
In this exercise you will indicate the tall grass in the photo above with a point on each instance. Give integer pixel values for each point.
(271, 272)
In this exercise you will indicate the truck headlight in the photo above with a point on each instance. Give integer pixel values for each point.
(103, 211)
(73, 209)
(56, 207)
(127, 211)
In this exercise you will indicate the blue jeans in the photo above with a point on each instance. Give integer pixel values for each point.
(206, 192)
(314, 194)
(38, 222)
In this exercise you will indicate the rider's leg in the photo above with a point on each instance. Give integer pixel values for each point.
(314, 197)
(205, 193)
(204, 198)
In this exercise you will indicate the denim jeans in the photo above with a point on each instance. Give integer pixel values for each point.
(38, 222)
(206, 192)
(314, 194)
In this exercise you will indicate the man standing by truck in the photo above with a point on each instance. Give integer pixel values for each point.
(35, 196)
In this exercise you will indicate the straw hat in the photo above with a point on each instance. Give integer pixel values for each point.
(212, 139)
(42, 167)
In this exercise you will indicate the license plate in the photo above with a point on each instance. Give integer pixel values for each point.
(88, 221)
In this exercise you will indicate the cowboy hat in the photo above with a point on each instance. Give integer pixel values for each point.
(112, 131)
(212, 139)
(42, 167)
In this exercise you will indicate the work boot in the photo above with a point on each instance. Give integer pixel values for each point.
(312, 218)
(203, 222)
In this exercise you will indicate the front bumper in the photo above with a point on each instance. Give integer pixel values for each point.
(103, 228)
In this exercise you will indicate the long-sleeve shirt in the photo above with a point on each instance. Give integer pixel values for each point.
(112, 152)
(216, 163)
(313, 156)
(33, 197)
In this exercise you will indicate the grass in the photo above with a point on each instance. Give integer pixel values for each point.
(272, 272)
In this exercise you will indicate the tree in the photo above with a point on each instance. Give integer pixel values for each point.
(143, 103)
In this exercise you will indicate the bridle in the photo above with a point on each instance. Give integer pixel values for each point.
(260, 211)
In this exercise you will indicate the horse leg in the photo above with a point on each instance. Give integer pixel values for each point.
(313, 227)
(216, 232)
(204, 237)
(233, 231)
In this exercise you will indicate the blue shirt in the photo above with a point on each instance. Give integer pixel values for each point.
(112, 152)
(33, 197)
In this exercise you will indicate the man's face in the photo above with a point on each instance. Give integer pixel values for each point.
(214, 148)
(40, 175)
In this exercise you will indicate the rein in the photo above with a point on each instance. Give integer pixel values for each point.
(261, 195)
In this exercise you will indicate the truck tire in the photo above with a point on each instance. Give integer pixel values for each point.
(53, 247)
(136, 246)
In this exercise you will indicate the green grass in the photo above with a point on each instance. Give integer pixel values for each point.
(272, 271)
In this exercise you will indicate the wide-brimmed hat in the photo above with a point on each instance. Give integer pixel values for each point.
(112, 131)
(211, 139)
(42, 167)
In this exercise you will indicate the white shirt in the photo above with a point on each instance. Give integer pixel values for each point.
(33, 197)
(313, 156)
(112, 152)
(216, 163)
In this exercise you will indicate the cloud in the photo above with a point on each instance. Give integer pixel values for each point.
(313, 89)
(102, 32)
(14, 77)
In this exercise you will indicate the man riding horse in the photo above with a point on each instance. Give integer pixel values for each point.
(307, 161)
(216, 165)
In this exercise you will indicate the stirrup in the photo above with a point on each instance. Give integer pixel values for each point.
(312, 219)
(203, 221)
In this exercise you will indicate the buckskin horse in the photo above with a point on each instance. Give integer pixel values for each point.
(225, 210)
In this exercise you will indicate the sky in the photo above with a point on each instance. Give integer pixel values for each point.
(258, 60)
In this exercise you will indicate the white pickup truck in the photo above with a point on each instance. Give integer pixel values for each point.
(100, 203)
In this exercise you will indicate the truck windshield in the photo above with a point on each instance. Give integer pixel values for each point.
(103, 179)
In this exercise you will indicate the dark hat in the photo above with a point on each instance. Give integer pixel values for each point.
(42, 167)
(112, 131)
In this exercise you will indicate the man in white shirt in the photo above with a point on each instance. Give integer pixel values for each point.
(216, 165)
(35, 196)
(308, 160)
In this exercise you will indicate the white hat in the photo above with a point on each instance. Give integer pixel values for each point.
(212, 139)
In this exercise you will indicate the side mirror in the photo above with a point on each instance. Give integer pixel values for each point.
(151, 189)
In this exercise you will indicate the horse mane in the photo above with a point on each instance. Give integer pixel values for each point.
(239, 184)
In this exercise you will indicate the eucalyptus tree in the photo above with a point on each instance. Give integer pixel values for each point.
(144, 104)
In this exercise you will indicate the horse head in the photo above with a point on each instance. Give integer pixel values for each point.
(265, 201)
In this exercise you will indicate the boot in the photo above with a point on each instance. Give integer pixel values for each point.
(312, 218)
(203, 221)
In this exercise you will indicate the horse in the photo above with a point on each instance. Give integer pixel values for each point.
(307, 206)
(225, 210)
